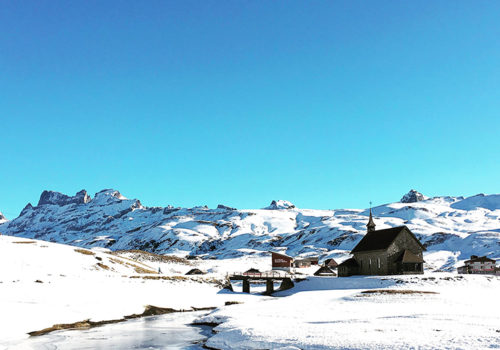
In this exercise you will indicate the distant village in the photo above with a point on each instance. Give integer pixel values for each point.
(391, 251)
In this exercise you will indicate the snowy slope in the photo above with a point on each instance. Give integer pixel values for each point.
(44, 283)
(40, 260)
(452, 228)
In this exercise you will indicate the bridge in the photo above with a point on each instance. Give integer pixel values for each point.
(268, 277)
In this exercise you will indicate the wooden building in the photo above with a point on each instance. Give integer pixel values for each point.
(325, 271)
(305, 262)
(331, 263)
(301, 263)
(281, 261)
(389, 251)
(314, 260)
(478, 265)
(348, 268)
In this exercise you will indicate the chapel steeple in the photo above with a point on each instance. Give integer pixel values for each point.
(370, 226)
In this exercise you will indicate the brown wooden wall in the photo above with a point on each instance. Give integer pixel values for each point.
(281, 260)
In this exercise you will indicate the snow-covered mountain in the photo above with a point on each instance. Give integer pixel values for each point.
(452, 228)
(280, 204)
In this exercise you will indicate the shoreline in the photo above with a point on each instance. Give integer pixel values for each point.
(149, 310)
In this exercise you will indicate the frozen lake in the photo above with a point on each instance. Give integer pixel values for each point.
(170, 331)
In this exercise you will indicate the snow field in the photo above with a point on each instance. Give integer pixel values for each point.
(72, 288)
(331, 313)
(319, 313)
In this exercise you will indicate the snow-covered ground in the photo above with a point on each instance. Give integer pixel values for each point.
(318, 313)
(42, 284)
(332, 313)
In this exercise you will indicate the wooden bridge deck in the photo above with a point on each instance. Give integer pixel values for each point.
(259, 276)
(269, 277)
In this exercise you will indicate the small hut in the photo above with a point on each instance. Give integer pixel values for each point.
(251, 272)
(325, 271)
(331, 263)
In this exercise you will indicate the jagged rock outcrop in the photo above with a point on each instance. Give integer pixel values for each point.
(225, 207)
(2, 218)
(57, 198)
(280, 204)
(412, 197)
(26, 209)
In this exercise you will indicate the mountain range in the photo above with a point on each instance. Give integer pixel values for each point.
(451, 228)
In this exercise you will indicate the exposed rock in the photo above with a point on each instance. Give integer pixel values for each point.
(169, 209)
(26, 209)
(280, 204)
(412, 197)
(224, 207)
(82, 197)
(57, 198)
(108, 195)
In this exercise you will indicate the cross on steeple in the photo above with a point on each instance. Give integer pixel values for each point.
(370, 226)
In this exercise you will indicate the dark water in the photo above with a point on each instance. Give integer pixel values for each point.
(156, 332)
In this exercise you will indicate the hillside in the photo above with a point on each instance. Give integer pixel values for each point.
(452, 228)
(43, 283)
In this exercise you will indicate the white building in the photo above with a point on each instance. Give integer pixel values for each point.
(480, 265)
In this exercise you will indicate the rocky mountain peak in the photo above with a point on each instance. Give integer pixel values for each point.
(26, 209)
(57, 198)
(113, 197)
(280, 204)
(109, 192)
(412, 197)
(82, 197)
(2, 217)
(225, 207)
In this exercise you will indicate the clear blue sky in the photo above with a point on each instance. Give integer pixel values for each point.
(328, 104)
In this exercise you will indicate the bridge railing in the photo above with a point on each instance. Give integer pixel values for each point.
(269, 274)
